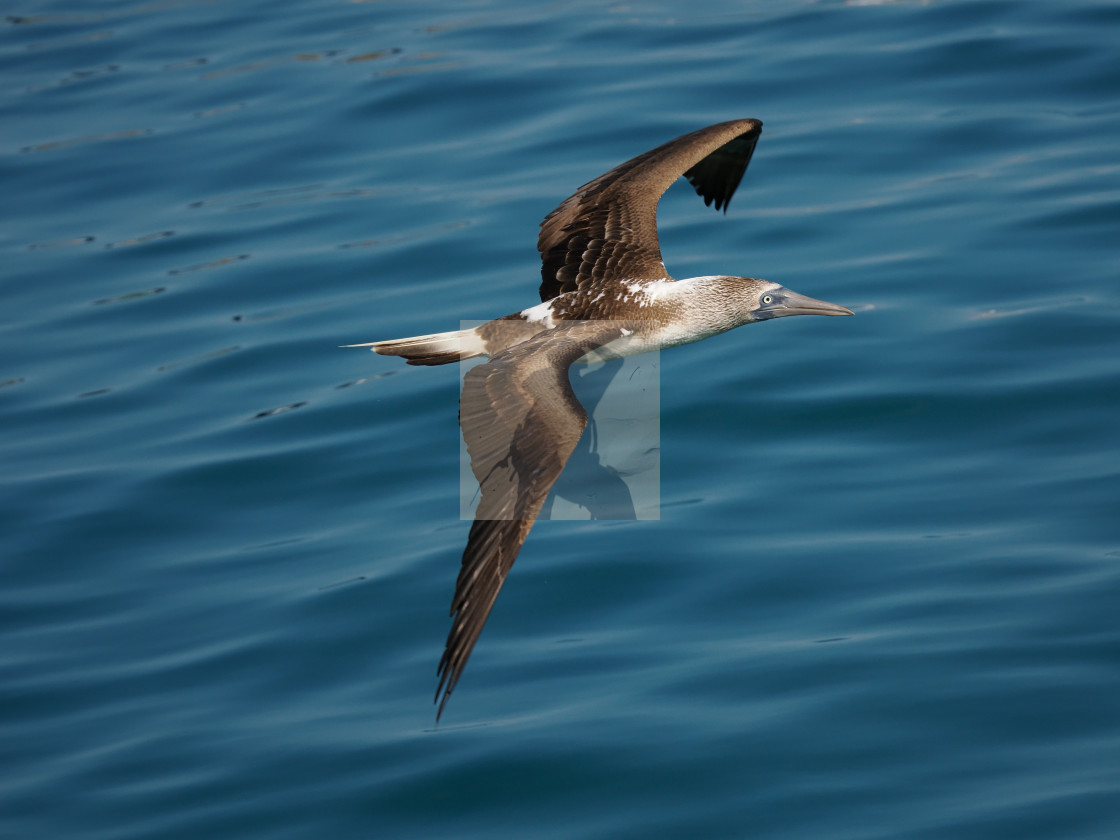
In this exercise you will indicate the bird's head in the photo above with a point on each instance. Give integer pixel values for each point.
(764, 300)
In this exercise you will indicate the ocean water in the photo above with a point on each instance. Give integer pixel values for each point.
(881, 599)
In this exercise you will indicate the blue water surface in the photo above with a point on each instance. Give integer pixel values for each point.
(882, 597)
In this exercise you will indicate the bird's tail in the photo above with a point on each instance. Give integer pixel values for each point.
(436, 349)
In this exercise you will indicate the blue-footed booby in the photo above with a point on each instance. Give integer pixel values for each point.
(604, 293)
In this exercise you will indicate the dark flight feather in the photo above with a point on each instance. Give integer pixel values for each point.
(607, 230)
(520, 420)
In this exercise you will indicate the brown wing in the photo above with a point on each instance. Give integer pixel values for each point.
(520, 420)
(608, 229)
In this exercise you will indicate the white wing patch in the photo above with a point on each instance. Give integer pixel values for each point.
(657, 289)
(540, 314)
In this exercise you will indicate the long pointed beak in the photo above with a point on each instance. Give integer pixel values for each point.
(786, 302)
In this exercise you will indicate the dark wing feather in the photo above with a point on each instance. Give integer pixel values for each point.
(608, 229)
(520, 420)
(716, 177)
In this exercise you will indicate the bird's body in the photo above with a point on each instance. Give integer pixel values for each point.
(604, 293)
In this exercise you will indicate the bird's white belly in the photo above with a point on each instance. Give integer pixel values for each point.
(670, 335)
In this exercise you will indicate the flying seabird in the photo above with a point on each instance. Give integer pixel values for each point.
(604, 293)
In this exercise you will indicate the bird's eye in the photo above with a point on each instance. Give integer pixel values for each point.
(767, 299)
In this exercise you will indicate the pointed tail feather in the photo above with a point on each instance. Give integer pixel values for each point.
(435, 349)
